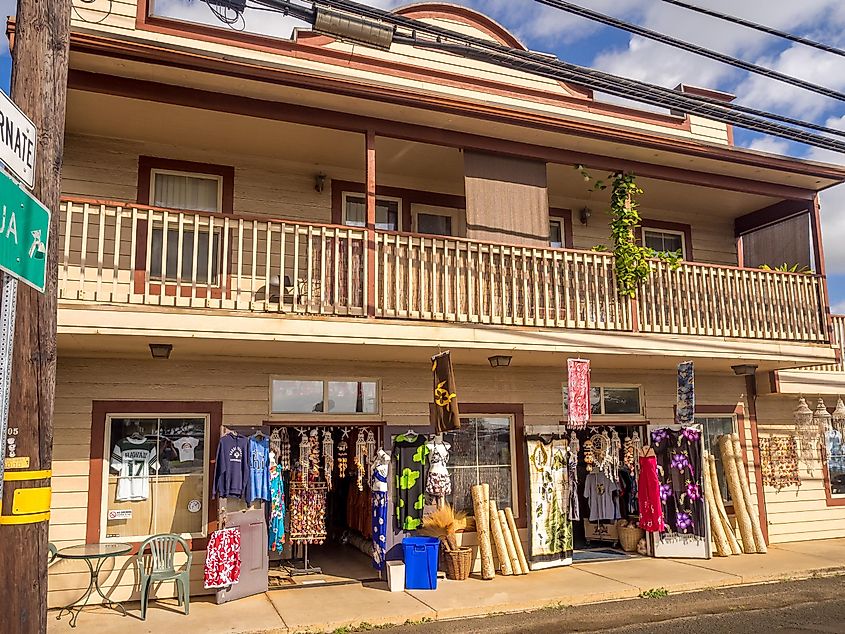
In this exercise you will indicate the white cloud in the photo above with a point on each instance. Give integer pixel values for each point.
(770, 144)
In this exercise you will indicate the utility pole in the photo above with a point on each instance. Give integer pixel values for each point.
(39, 87)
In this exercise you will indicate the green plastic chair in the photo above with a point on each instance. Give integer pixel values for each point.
(160, 566)
(53, 553)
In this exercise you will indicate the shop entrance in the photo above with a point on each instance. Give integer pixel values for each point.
(327, 503)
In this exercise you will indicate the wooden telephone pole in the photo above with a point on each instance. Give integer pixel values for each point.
(39, 87)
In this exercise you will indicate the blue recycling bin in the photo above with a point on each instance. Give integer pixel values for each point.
(421, 556)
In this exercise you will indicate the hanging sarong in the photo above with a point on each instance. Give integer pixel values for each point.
(444, 413)
(685, 405)
(222, 558)
(549, 504)
(578, 393)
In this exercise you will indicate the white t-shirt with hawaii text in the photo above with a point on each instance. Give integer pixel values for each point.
(133, 459)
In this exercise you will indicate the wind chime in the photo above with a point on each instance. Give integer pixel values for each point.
(371, 449)
(275, 445)
(284, 450)
(343, 453)
(837, 421)
(605, 450)
(632, 446)
(304, 452)
(314, 456)
(807, 430)
(328, 457)
(360, 458)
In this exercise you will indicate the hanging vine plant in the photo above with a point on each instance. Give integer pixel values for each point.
(631, 260)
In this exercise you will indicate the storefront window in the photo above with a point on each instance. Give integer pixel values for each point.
(607, 400)
(292, 396)
(157, 476)
(836, 462)
(482, 452)
(715, 426)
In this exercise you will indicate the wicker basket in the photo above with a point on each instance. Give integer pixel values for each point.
(629, 537)
(458, 563)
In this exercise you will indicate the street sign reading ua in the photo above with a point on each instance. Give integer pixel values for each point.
(24, 234)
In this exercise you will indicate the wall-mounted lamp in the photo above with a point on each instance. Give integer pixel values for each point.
(319, 183)
(745, 369)
(584, 215)
(500, 360)
(161, 350)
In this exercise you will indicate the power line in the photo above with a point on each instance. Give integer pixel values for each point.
(691, 48)
(759, 27)
(542, 65)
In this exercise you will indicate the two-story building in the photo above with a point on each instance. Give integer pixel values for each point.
(261, 232)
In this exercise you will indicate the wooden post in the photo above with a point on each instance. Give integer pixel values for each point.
(39, 87)
(517, 542)
(481, 506)
(499, 540)
(516, 567)
(371, 222)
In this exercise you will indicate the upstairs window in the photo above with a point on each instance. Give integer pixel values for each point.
(555, 234)
(388, 211)
(317, 396)
(665, 241)
(611, 400)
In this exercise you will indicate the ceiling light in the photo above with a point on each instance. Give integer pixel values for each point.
(161, 350)
(500, 360)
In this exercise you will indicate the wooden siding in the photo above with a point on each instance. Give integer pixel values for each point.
(243, 387)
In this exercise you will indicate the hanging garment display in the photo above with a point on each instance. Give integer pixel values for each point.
(779, 461)
(574, 499)
(231, 472)
(445, 415)
(439, 482)
(410, 456)
(307, 512)
(550, 503)
(679, 470)
(222, 559)
(328, 457)
(381, 464)
(648, 495)
(808, 434)
(578, 393)
(685, 405)
(259, 468)
(601, 493)
(276, 521)
(132, 458)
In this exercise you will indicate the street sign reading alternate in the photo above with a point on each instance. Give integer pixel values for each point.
(24, 234)
(17, 141)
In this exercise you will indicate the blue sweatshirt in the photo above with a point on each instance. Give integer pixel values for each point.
(231, 472)
(259, 469)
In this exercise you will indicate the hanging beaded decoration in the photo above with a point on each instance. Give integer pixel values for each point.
(838, 418)
(314, 456)
(284, 451)
(304, 452)
(328, 457)
(589, 456)
(275, 444)
(360, 458)
(343, 453)
(614, 458)
(371, 449)
(807, 432)
(574, 445)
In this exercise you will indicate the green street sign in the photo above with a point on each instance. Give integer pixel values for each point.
(24, 234)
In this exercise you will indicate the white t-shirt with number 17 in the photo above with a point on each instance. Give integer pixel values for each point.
(132, 459)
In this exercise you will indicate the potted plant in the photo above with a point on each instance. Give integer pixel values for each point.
(444, 523)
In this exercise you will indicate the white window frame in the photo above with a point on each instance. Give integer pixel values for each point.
(104, 503)
(612, 417)
(559, 223)
(699, 420)
(215, 177)
(673, 232)
(513, 466)
(346, 195)
(446, 212)
(372, 416)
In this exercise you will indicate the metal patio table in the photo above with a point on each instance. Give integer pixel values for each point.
(90, 553)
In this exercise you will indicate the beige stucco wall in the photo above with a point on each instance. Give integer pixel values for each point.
(243, 388)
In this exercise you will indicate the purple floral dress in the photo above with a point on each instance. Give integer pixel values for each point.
(679, 468)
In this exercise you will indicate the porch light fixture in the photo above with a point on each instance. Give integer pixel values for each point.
(161, 350)
(584, 215)
(500, 360)
(744, 369)
(319, 183)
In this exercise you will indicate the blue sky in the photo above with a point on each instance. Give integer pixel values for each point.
(583, 42)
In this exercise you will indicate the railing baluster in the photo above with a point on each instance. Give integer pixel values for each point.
(118, 246)
(225, 267)
(101, 239)
(268, 256)
(68, 228)
(180, 233)
(83, 256)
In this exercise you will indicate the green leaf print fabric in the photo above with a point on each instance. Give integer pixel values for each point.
(410, 456)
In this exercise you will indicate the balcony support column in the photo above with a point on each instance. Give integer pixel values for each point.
(818, 260)
(370, 185)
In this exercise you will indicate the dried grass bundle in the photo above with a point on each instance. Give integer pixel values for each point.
(444, 522)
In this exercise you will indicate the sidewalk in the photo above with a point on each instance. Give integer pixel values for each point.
(325, 609)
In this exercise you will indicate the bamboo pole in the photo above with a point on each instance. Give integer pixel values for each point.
(746, 531)
(722, 513)
(759, 540)
(723, 548)
(520, 553)
(481, 505)
(499, 540)
(516, 567)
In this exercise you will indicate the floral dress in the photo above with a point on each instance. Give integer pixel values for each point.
(679, 471)
(410, 455)
(276, 524)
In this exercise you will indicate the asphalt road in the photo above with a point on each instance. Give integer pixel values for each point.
(813, 605)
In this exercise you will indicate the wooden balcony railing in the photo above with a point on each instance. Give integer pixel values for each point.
(838, 339)
(141, 255)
